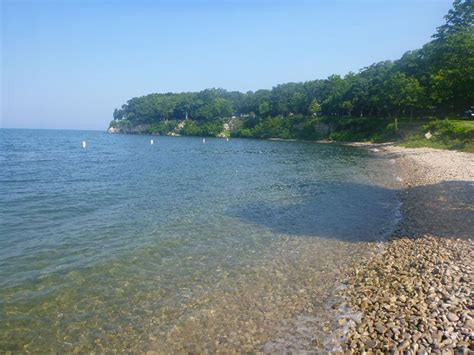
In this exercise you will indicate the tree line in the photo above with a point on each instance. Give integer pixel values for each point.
(436, 80)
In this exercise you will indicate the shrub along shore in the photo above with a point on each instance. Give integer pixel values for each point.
(448, 133)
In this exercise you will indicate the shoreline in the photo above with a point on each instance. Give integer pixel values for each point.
(416, 290)
(413, 291)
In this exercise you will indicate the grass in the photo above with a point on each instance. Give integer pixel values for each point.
(425, 143)
(446, 134)
(454, 134)
(469, 124)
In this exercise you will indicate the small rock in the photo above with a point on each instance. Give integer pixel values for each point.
(370, 344)
(364, 304)
(380, 328)
(452, 317)
(315, 342)
(403, 345)
(469, 324)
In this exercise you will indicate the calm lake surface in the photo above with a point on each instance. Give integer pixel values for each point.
(178, 245)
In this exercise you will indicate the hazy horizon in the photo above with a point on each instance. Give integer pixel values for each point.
(68, 64)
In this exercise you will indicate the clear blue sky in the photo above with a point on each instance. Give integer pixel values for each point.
(69, 63)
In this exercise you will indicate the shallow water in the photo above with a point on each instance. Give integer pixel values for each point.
(178, 245)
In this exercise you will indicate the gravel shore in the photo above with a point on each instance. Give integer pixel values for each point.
(416, 293)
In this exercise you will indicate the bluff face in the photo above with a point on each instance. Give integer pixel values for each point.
(129, 129)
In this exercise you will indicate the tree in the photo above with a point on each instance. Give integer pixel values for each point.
(358, 94)
(402, 92)
(439, 75)
(314, 107)
(264, 108)
(459, 19)
(336, 89)
(452, 71)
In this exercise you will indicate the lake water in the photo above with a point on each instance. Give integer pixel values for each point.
(179, 245)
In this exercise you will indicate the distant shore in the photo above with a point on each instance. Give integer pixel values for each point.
(415, 292)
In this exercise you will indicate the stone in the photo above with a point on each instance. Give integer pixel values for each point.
(469, 323)
(452, 317)
(405, 344)
(412, 296)
(370, 344)
(380, 328)
(364, 304)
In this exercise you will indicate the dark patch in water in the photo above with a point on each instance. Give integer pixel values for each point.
(342, 210)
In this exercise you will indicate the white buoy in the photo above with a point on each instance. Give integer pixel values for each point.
(204, 140)
(151, 141)
(227, 139)
(83, 144)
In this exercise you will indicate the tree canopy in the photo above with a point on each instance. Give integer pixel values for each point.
(437, 79)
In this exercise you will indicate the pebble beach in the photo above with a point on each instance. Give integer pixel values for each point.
(415, 293)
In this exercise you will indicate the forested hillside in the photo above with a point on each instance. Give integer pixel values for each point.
(436, 80)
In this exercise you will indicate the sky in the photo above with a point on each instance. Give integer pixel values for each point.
(66, 64)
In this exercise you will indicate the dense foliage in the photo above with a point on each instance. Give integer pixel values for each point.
(436, 80)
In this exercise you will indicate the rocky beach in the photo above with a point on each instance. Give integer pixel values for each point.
(415, 294)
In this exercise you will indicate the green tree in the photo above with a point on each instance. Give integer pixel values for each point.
(314, 107)
(402, 93)
(459, 19)
(264, 108)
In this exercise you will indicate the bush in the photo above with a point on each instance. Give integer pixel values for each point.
(447, 134)
(163, 127)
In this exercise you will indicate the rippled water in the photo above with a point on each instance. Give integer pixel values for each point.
(178, 245)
